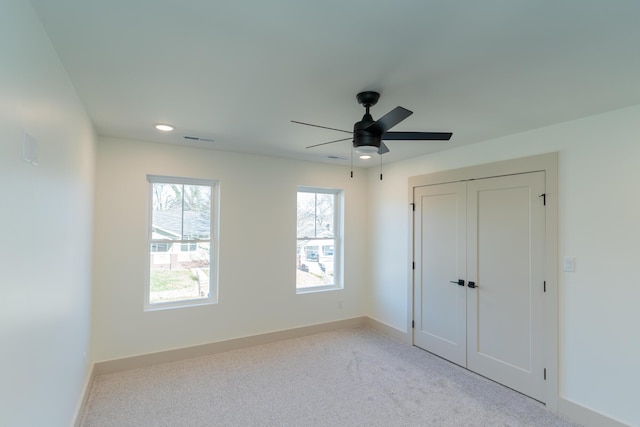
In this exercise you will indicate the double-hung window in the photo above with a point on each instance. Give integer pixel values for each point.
(319, 239)
(182, 242)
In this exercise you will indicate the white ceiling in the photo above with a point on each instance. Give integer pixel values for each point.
(238, 71)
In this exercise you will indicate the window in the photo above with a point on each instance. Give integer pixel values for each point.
(182, 242)
(318, 245)
(160, 247)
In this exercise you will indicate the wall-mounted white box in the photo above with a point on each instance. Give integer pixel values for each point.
(29, 148)
(568, 264)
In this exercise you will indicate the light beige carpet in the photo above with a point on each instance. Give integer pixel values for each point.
(351, 377)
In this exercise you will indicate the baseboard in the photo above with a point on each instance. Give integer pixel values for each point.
(144, 360)
(388, 330)
(86, 389)
(586, 416)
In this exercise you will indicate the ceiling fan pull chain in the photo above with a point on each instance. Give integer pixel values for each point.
(352, 161)
(380, 168)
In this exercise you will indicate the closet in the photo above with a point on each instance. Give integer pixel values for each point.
(479, 276)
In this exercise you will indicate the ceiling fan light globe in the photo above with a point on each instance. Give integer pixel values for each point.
(366, 149)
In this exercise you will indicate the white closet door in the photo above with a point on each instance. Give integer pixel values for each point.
(505, 254)
(440, 254)
(490, 233)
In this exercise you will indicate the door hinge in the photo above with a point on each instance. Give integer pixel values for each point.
(544, 198)
(545, 373)
(545, 286)
(413, 265)
(413, 206)
(413, 324)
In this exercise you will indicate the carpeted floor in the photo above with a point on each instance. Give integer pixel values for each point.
(351, 377)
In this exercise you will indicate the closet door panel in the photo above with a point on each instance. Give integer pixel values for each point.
(505, 253)
(440, 252)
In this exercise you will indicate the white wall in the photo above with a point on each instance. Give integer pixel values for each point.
(45, 225)
(257, 248)
(599, 212)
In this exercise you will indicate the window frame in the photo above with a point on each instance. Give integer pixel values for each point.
(213, 242)
(337, 240)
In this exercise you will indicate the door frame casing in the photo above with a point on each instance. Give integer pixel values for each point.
(547, 163)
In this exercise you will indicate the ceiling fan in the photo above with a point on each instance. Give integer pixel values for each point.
(368, 134)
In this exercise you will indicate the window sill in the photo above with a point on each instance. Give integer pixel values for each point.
(179, 304)
(318, 289)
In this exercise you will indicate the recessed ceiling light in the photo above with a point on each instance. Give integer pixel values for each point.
(164, 127)
(365, 156)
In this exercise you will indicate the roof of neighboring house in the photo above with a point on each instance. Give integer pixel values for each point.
(170, 224)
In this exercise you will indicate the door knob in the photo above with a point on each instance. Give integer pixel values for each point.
(472, 285)
(458, 282)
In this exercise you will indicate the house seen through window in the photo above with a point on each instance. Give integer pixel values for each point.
(182, 242)
(319, 239)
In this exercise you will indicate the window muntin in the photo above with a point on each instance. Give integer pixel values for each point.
(318, 240)
(182, 267)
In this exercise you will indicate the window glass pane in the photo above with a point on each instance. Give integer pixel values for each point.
(315, 267)
(181, 212)
(324, 215)
(166, 215)
(315, 215)
(197, 212)
(178, 275)
(306, 214)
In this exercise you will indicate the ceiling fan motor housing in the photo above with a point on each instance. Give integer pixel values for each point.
(364, 138)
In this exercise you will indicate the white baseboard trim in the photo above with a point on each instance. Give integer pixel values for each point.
(144, 360)
(82, 403)
(585, 416)
(388, 330)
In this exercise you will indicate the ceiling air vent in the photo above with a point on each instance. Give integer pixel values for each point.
(196, 138)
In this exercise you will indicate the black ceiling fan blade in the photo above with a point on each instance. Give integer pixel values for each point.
(389, 120)
(322, 127)
(417, 136)
(330, 142)
(383, 148)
